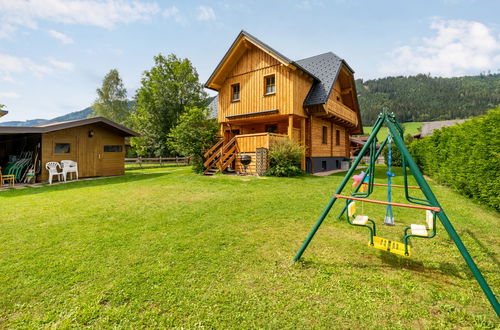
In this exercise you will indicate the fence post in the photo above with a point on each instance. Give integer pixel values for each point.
(160, 162)
(140, 162)
(177, 160)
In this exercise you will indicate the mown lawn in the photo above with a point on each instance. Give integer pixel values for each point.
(409, 128)
(177, 249)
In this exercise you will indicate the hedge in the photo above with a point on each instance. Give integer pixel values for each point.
(465, 157)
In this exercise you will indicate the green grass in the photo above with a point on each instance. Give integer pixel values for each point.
(181, 250)
(410, 128)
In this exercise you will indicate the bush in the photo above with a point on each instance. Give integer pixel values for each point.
(194, 134)
(465, 157)
(284, 158)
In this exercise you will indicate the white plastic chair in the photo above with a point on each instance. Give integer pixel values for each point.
(52, 168)
(69, 166)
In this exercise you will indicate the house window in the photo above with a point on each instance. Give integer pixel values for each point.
(325, 135)
(323, 165)
(272, 128)
(236, 92)
(115, 148)
(337, 137)
(62, 148)
(270, 85)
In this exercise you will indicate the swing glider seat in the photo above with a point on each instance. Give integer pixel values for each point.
(422, 230)
(419, 230)
(359, 220)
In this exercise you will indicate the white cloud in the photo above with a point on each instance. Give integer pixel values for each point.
(60, 64)
(205, 13)
(104, 14)
(458, 47)
(6, 30)
(9, 95)
(11, 64)
(174, 13)
(60, 36)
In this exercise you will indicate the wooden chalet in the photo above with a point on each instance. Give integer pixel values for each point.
(263, 96)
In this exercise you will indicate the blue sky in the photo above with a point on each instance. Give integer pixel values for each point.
(54, 53)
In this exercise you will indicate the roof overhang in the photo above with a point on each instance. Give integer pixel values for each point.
(241, 44)
(119, 129)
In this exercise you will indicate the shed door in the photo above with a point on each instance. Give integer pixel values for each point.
(111, 156)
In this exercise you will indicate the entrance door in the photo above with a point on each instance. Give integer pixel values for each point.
(229, 134)
(90, 158)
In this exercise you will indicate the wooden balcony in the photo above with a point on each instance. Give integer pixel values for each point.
(337, 112)
(250, 142)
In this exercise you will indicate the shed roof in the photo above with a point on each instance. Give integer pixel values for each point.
(3, 113)
(51, 127)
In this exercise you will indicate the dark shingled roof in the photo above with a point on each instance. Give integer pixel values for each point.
(326, 67)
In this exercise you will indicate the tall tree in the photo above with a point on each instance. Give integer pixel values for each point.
(111, 99)
(168, 89)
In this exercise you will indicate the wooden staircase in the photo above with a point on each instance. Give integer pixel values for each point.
(220, 156)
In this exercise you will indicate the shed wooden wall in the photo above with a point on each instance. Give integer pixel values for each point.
(249, 71)
(87, 151)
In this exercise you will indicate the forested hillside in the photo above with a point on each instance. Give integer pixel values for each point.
(424, 98)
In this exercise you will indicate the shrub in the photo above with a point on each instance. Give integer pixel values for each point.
(194, 134)
(284, 158)
(465, 157)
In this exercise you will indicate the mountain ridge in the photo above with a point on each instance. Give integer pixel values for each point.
(75, 115)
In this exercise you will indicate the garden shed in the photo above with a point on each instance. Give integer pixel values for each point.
(96, 144)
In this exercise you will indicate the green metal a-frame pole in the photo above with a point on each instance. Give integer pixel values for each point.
(442, 215)
(381, 119)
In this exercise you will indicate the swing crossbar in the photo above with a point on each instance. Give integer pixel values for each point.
(421, 207)
(395, 185)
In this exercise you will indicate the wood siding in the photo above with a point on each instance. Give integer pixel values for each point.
(249, 71)
(87, 151)
(331, 148)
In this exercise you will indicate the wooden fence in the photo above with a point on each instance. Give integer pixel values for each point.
(134, 163)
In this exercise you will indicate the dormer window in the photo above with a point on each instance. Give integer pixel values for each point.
(270, 82)
(235, 92)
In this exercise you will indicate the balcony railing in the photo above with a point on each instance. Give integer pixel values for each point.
(250, 142)
(339, 110)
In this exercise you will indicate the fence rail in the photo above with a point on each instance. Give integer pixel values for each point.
(140, 162)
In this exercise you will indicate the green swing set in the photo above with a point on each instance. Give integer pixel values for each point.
(430, 204)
